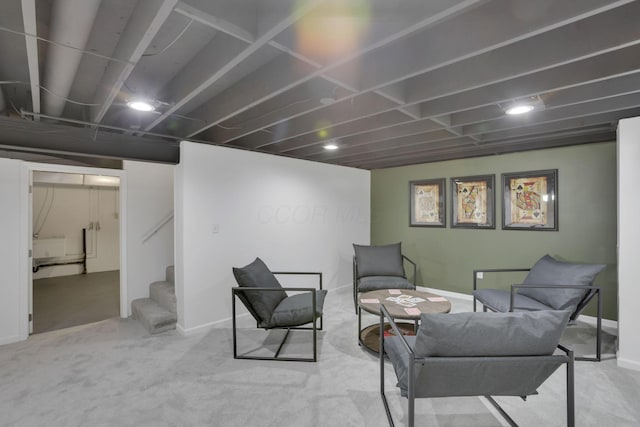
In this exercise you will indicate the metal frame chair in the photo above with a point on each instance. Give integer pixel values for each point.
(239, 292)
(356, 278)
(414, 362)
(593, 291)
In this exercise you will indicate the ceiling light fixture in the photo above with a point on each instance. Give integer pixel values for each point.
(523, 105)
(519, 109)
(141, 104)
(331, 146)
(327, 101)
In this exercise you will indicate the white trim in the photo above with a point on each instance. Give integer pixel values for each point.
(11, 339)
(25, 227)
(611, 326)
(350, 285)
(125, 308)
(628, 364)
(448, 294)
(24, 275)
(206, 327)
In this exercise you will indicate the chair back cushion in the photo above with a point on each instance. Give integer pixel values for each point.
(383, 260)
(257, 275)
(485, 334)
(548, 271)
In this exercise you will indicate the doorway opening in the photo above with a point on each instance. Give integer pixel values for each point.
(75, 249)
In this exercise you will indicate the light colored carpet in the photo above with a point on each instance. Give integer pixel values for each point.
(113, 373)
(65, 301)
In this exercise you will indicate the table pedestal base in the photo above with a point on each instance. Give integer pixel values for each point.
(370, 336)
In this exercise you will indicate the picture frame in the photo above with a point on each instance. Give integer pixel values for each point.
(530, 200)
(427, 203)
(473, 202)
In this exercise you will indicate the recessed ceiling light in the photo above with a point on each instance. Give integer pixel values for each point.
(523, 105)
(519, 109)
(327, 101)
(141, 105)
(331, 146)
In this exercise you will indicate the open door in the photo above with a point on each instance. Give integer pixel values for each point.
(74, 248)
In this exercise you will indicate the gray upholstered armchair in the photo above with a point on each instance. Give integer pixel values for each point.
(550, 285)
(477, 354)
(380, 267)
(267, 301)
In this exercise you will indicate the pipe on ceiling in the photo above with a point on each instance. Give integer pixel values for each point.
(71, 23)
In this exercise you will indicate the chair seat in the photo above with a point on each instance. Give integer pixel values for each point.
(296, 310)
(450, 376)
(499, 300)
(373, 283)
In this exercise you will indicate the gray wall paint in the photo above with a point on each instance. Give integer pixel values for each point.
(446, 257)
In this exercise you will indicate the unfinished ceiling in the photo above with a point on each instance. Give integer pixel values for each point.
(389, 82)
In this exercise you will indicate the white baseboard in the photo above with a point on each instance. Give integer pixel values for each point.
(610, 325)
(627, 364)
(11, 340)
(201, 329)
(448, 294)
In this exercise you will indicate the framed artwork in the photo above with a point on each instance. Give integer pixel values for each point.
(530, 200)
(427, 203)
(473, 204)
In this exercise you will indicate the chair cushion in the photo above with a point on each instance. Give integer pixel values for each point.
(297, 310)
(372, 283)
(257, 275)
(548, 271)
(499, 300)
(525, 333)
(379, 260)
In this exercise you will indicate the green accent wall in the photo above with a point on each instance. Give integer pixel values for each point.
(446, 257)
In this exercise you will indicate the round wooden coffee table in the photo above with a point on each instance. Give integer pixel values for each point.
(402, 304)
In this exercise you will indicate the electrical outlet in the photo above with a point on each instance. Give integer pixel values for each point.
(479, 275)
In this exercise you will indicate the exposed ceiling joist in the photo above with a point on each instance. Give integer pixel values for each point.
(31, 42)
(388, 82)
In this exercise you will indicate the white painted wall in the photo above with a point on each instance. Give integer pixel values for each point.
(628, 238)
(149, 201)
(72, 209)
(147, 187)
(11, 298)
(294, 214)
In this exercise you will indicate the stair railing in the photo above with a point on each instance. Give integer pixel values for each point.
(153, 230)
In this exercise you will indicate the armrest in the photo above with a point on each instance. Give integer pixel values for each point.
(237, 289)
(405, 258)
(384, 314)
(302, 273)
(593, 289)
(409, 377)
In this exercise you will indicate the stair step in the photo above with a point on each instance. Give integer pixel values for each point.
(154, 318)
(164, 294)
(170, 274)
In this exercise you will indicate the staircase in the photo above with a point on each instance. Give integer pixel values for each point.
(158, 313)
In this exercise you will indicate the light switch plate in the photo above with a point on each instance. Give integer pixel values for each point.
(479, 275)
